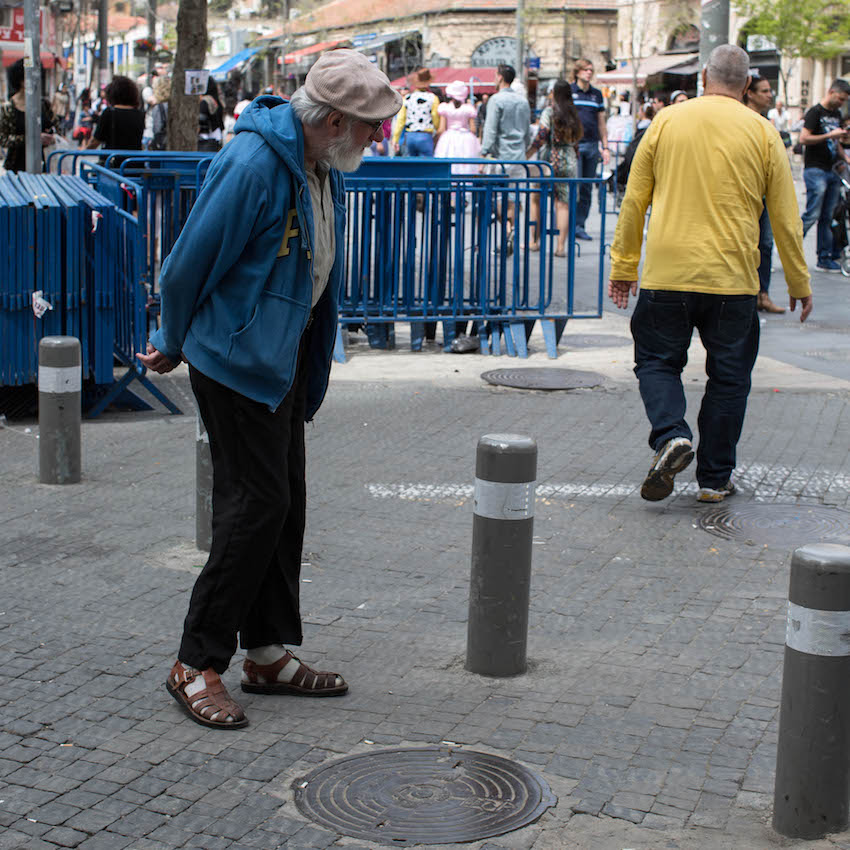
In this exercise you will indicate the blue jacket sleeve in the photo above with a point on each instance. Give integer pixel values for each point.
(216, 232)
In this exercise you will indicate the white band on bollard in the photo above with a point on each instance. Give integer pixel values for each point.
(497, 500)
(60, 379)
(817, 632)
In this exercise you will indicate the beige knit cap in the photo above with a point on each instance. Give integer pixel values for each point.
(349, 82)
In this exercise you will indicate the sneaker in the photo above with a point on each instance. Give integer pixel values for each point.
(828, 266)
(673, 457)
(582, 234)
(707, 494)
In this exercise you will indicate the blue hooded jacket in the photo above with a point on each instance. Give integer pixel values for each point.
(237, 286)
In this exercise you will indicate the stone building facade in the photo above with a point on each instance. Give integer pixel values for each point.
(454, 33)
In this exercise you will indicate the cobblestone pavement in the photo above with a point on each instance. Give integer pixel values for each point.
(655, 648)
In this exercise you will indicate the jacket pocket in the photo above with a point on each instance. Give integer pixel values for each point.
(268, 341)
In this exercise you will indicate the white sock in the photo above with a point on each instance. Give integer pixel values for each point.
(265, 655)
(196, 686)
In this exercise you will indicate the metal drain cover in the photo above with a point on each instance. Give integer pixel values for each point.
(784, 525)
(542, 378)
(594, 341)
(431, 795)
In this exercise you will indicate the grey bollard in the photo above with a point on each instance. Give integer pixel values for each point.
(502, 531)
(60, 383)
(812, 788)
(203, 489)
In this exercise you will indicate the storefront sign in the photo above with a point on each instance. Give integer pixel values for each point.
(497, 51)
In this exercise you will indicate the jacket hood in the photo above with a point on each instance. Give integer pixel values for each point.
(272, 117)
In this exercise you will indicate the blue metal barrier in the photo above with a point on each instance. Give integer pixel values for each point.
(422, 245)
(441, 249)
(85, 255)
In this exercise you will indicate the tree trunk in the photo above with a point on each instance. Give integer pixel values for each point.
(191, 52)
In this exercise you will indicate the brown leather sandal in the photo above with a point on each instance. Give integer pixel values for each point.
(307, 682)
(212, 706)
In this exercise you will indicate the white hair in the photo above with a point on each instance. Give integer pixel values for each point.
(728, 67)
(309, 111)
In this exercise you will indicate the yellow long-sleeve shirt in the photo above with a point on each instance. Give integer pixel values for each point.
(705, 165)
(418, 114)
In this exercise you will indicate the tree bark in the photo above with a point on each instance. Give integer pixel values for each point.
(190, 54)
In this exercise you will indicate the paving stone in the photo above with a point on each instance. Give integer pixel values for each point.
(91, 821)
(106, 841)
(14, 840)
(54, 813)
(65, 837)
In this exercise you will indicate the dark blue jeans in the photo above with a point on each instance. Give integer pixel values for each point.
(419, 144)
(588, 162)
(821, 198)
(662, 326)
(765, 251)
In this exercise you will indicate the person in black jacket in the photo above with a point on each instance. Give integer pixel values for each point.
(121, 125)
(13, 121)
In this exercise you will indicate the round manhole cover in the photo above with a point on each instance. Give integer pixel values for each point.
(784, 525)
(422, 796)
(594, 341)
(542, 379)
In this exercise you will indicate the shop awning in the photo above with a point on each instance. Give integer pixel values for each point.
(48, 60)
(368, 43)
(483, 80)
(666, 63)
(237, 59)
(302, 53)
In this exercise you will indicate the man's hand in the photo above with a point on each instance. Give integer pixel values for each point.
(156, 361)
(606, 156)
(618, 291)
(805, 306)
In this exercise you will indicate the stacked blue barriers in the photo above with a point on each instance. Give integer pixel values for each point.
(72, 265)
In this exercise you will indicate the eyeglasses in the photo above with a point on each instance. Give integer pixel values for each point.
(374, 126)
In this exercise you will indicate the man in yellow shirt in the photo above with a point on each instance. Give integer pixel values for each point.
(704, 167)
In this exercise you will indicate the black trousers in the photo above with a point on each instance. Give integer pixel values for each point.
(663, 323)
(250, 583)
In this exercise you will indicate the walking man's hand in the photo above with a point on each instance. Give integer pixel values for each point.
(156, 361)
(805, 306)
(618, 291)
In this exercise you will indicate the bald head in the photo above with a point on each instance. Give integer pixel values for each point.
(728, 68)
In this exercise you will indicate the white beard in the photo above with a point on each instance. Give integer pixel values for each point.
(343, 153)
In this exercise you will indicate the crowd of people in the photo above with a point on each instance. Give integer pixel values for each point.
(126, 114)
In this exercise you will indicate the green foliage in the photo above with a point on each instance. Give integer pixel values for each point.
(220, 7)
(816, 29)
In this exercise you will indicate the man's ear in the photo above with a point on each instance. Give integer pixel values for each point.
(336, 123)
(703, 78)
(746, 86)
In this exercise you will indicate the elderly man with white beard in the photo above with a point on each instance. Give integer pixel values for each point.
(249, 300)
